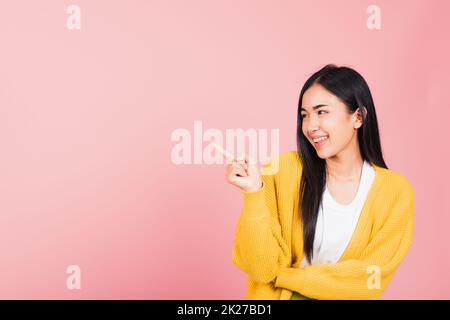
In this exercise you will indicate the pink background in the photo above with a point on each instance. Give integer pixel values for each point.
(86, 116)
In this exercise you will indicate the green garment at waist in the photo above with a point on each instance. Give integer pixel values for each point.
(298, 296)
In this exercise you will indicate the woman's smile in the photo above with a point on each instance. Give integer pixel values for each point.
(320, 142)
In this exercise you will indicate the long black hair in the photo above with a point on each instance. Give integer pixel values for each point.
(351, 88)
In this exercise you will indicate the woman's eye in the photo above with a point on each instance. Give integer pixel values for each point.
(319, 112)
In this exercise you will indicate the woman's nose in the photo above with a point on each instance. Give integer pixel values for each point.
(313, 124)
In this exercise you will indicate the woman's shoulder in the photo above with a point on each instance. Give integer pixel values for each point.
(290, 158)
(394, 197)
(283, 163)
(395, 181)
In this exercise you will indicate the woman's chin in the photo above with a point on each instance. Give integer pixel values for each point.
(324, 155)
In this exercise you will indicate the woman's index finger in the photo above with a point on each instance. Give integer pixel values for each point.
(225, 153)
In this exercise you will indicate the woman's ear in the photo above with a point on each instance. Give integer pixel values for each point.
(359, 119)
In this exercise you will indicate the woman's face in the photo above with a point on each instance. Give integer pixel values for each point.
(324, 115)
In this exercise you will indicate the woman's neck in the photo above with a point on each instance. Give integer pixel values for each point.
(344, 169)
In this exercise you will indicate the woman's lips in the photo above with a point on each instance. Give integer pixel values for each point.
(321, 143)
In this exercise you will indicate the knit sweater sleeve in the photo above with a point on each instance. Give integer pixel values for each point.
(258, 248)
(367, 276)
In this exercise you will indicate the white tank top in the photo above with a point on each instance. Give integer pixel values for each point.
(337, 222)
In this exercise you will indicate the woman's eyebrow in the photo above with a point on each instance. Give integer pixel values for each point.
(316, 107)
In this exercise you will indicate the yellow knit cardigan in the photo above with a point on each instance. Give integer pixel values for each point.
(268, 243)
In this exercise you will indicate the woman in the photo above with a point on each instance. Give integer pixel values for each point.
(333, 222)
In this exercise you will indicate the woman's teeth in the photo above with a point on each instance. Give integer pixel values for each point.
(320, 139)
